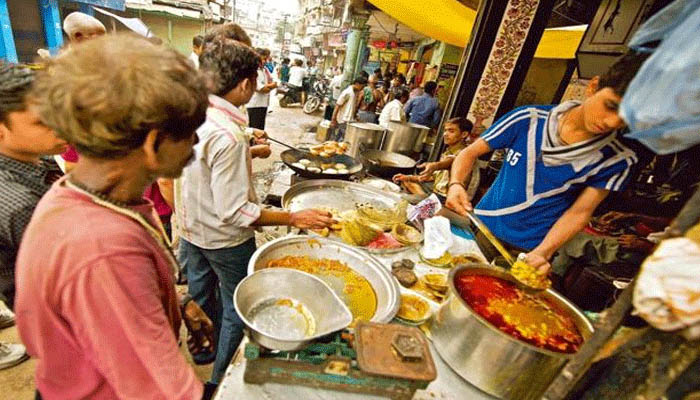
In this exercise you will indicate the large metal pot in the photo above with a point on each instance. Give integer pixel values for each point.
(385, 286)
(404, 137)
(327, 310)
(363, 136)
(490, 359)
(386, 164)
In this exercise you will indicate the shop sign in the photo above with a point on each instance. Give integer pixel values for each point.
(383, 44)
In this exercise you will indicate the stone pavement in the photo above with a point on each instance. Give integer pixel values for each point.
(285, 124)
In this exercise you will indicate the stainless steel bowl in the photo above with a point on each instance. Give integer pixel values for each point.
(327, 310)
(385, 287)
(492, 360)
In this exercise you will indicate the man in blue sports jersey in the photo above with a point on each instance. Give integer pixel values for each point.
(560, 162)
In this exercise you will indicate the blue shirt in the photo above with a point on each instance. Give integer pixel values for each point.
(423, 110)
(528, 197)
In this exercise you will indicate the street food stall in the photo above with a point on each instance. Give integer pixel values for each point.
(416, 325)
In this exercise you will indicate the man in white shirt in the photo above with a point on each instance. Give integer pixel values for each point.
(296, 78)
(337, 83)
(346, 106)
(393, 111)
(257, 106)
(197, 46)
(217, 208)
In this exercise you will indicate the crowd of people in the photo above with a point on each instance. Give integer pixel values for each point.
(87, 267)
(156, 146)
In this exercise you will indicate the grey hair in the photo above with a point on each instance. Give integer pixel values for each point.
(77, 22)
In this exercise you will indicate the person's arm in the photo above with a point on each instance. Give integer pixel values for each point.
(568, 225)
(115, 310)
(167, 190)
(408, 107)
(437, 114)
(462, 165)
(342, 99)
(305, 219)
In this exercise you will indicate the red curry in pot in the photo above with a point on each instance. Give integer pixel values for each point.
(526, 317)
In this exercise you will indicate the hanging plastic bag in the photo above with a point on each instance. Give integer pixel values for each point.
(662, 103)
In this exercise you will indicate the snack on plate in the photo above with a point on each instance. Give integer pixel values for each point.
(356, 231)
(404, 263)
(468, 258)
(383, 216)
(445, 261)
(413, 309)
(406, 234)
(405, 276)
(436, 282)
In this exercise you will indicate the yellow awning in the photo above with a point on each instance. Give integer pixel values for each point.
(451, 22)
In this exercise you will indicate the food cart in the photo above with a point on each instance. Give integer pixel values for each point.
(458, 352)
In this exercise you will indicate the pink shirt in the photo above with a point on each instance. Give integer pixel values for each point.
(96, 304)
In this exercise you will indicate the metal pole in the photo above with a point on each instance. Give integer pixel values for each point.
(8, 52)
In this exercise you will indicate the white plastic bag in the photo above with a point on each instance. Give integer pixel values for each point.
(438, 237)
(662, 103)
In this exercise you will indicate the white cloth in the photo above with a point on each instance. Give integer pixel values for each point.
(194, 58)
(393, 111)
(337, 85)
(260, 99)
(438, 237)
(346, 102)
(296, 76)
(555, 152)
(667, 293)
(217, 203)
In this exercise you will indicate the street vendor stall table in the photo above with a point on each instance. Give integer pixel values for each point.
(448, 384)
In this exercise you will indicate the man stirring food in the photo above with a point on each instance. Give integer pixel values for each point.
(560, 164)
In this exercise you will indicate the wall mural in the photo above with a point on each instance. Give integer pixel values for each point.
(509, 42)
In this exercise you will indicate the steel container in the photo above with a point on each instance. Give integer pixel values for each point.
(404, 138)
(363, 136)
(329, 312)
(492, 360)
(385, 286)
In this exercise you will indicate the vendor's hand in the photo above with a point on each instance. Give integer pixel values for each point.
(457, 200)
(261, 140)
(259, 134)
(538, 262)
(428, 168)
(200, 330)
(398, 178)
(260, 151)
(311, 219)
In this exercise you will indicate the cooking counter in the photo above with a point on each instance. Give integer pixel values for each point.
(447, 386)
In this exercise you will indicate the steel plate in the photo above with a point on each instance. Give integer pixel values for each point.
(340, 196)
(385, 286)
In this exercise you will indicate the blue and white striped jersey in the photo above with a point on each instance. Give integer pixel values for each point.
(528, 197)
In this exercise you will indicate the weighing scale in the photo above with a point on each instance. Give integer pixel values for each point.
(388, 360)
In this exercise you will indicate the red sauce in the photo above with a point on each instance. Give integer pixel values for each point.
(524, 316)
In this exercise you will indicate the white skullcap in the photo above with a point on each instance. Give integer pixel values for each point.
(79, 22)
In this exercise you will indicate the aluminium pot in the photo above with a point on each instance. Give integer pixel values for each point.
(492, 360)
(405, 138)
(385, 164)
(362, 136)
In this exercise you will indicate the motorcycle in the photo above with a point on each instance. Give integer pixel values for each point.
(290, 95)
(319, 94)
